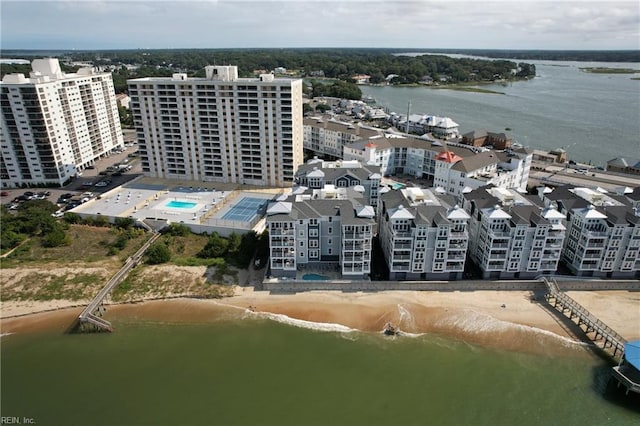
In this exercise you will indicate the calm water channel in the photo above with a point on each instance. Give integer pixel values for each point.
(595, 117)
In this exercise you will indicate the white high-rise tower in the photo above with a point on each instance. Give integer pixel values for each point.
(219, 128)
(55, 124)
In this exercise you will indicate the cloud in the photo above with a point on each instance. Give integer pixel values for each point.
(308, 23)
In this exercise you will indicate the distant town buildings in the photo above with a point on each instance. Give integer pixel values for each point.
(326, 136)
(629, 166)
(454, 168)
(55, 124)
(220, 128)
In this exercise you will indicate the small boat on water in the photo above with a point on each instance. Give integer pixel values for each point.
(390, 330)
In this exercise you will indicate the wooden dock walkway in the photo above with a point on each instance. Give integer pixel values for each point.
(595, 329)
(88, 320)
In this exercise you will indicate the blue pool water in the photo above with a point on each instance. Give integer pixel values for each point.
(314, 277)
(180, 204)
(398, 186)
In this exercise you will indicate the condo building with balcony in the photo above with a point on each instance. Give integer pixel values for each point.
(220, 128)
(55, 124)
(316, 173)
(453, 167)
(511, 236)
(325, 136)
(327, 230)
(603, 231)
(423, 235)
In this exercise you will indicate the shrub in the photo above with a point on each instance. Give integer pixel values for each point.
(158, 253)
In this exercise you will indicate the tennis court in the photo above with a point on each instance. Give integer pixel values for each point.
(246, 209)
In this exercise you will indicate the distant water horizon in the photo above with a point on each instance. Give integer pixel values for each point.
(594, 117)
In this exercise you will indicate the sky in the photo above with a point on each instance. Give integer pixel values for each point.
(475, 24)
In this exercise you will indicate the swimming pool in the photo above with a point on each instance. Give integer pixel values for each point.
(314, 277)
(175, 204)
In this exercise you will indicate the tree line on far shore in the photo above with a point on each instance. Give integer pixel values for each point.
(340, 64)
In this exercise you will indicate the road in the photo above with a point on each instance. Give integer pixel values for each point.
(560, 175)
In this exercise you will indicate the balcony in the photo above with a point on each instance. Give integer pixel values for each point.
(357, 235)
(595, 234)
(288, 232)
(402, 234)
(402, 246)
(498, 234)
(401, 257)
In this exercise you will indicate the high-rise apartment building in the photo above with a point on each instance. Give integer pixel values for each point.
(219, 128)
(55, 124)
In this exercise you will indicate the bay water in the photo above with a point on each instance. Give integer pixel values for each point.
(595, 117)
(252, 370)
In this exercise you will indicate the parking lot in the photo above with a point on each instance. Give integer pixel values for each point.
(86, 182)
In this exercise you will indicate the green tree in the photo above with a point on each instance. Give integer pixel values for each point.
(158, 253)
(124, 222)
(56, 237)
(126, 118)
(177, 230)
(215, 247)
(306, 109)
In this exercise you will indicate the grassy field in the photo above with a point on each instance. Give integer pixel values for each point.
(78, 271)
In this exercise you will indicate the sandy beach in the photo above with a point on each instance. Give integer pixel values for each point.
(512, 320)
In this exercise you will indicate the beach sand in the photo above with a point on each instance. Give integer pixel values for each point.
(512, 320)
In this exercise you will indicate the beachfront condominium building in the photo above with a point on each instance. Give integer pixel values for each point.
(364, 178)
(423, 235)
(603, 231)
(219, 128)
(511, 236)
(327, 230)
(55, 124)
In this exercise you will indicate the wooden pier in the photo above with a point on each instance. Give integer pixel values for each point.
(88, 320)
(595, 329)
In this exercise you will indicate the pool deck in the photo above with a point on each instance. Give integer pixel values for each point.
(144, 199)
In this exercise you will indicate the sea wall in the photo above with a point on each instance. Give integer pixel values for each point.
(293, 286)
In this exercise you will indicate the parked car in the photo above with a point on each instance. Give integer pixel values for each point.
(4, 194)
